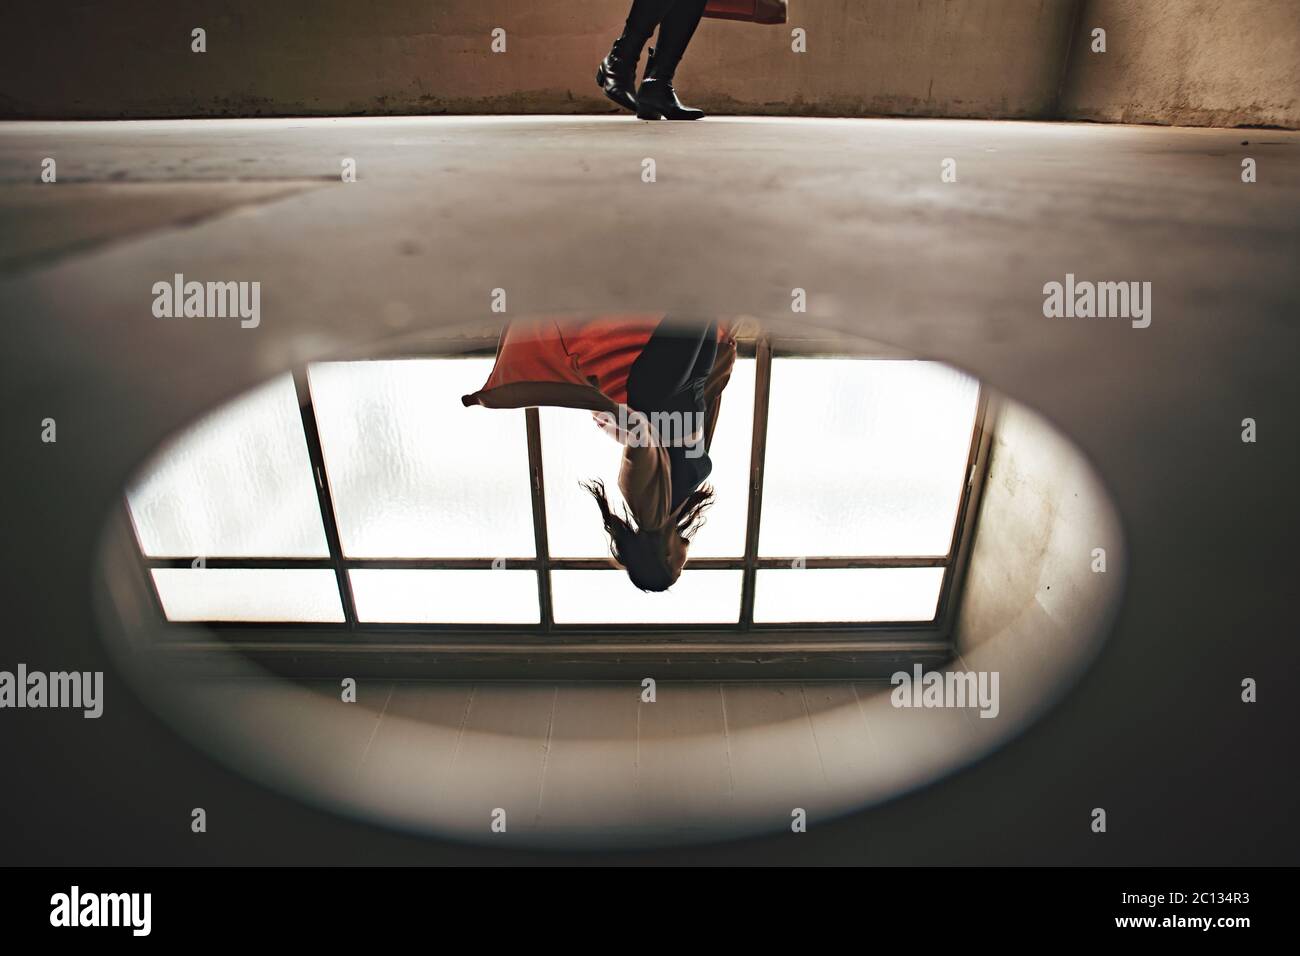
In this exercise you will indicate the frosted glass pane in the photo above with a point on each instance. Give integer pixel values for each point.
(413, 472)
(237, 484)
(864, 457)
(574, 449)
(846, 594)
(608, 597)
(249, 594)
(408, 596)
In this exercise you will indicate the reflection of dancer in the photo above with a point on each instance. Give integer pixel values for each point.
(653, 383)
(656, 99)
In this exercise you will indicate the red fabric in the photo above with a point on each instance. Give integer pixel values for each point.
(742, 8)
(597, 351)
(754, 11)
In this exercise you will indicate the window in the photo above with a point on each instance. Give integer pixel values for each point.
(361, 496)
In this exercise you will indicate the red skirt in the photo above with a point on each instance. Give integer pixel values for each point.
(594, 352)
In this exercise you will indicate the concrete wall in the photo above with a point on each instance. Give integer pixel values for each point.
(1168, 61)
(132, 58)
(1031, 596)
(1187, 62)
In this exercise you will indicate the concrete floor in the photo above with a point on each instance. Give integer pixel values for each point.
(588, 760)
(554, 210)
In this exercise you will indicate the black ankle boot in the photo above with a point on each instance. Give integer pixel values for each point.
(656, 99)
(616, 75)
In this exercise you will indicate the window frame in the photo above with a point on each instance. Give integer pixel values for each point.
(932, 636)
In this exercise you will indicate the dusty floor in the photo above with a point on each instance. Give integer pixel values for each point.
(555, 211)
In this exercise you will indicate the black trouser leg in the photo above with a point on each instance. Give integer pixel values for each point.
(675, 32)
(645, 15)
(676, 20)
(669, 376)
(678, 354)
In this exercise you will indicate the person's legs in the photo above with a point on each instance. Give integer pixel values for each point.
(656, 98)
(616, 74)
(675, 32)
(677, 353)
(645, 15)
(668, 376)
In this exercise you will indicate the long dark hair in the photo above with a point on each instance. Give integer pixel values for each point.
(642, 552)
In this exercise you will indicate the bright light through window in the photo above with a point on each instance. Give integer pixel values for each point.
(846, 594)
(443, 596)
(865, 461)
(608, 597)
(864, 457)
(413, 472)
(238, 484)
(249, 594)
